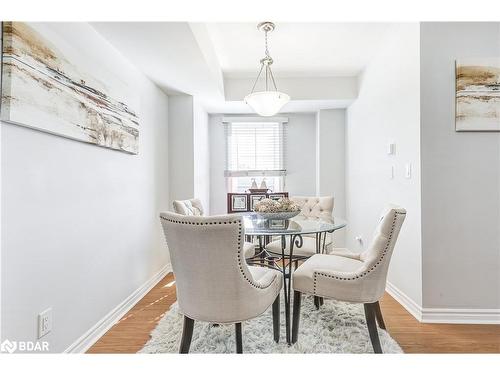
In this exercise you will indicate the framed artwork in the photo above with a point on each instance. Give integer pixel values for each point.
(277, 196)
(53, 81)
(245, 202)
(238, 203)
(254, 198)
(477, 94)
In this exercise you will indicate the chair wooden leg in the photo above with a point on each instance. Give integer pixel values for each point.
(317, 302)
(372, 327)
(378, 315)
(239, 341)
(321, 301)
(187, 335)
(276, 319)
(297, 297)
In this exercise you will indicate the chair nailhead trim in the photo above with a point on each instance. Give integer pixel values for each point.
(366, 272)
(239, 244)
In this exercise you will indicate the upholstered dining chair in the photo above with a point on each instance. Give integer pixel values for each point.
(191, 207)
(358, 278)
(311, 208)
(214, 283)
(194, 207)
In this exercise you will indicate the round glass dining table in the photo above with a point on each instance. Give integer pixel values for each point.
(267, 230)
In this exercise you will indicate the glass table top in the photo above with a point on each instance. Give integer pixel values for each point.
(258, 226)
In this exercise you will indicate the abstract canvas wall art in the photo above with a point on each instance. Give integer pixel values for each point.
(477, 94)
(49, 84)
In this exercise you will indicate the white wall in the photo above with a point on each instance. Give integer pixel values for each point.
(301, 154)
(188, 150)
(387, 110)
(460, 177)
(180, 147)
(301, 158)
(299, 88)
(201, 156)
(218, 188)
(80, 227)
(330, 162)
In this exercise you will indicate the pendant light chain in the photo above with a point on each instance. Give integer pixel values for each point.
(266, 63)
(267, 55)
(267, 50)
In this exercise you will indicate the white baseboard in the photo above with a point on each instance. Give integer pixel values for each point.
(90, 337)
(461, 316)
(409, 304)
(443, 315)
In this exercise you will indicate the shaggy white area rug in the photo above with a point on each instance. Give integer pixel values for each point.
(337, 327)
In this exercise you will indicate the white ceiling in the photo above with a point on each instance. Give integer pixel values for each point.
(206, 59)
(298, 49)
(167, 52)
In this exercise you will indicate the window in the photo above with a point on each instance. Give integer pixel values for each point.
(255, 150)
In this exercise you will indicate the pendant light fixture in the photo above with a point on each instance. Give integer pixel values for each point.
(270, 101)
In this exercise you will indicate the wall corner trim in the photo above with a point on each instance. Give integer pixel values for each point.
(89, 338)
(443, 315)
(460, 316)
(409, 304)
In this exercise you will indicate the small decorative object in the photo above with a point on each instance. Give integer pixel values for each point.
(263, 184)
(254, 189)
(254, 184)
(277, 209)
(477, 94)
(239, 203)
(277, 224)
(269, 101)
(256, 198)
(54, 82)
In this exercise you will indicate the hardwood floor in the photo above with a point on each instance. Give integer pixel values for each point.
(415, 337)
(131, 333)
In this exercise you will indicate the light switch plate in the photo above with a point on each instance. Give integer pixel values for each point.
(391, 149)
(408, 170)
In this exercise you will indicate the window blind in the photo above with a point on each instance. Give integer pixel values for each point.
(255, 149)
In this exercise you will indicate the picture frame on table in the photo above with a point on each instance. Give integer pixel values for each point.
(277, 224)
(254, 199)
(239, 203)
(277, 196)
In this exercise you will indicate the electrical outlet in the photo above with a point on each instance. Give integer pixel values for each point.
(44, 322)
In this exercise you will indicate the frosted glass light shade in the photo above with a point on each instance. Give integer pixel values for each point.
(267, 103)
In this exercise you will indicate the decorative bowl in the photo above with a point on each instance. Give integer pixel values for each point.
(283, 215)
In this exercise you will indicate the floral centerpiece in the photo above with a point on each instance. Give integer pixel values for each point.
(283, 208)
